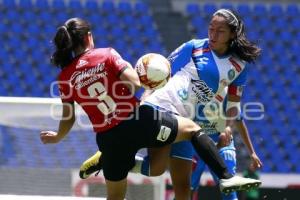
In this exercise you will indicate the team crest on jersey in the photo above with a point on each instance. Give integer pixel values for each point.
(203, 93)
(183, 94)
(231, 74)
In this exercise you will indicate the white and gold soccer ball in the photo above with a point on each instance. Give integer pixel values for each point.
(154, 70)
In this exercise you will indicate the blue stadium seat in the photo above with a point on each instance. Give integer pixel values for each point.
(276, 11)
(192, 9)
(292, 10)
(91, 5)
(108, 6)
(227, 6)
(9, 4)
(259, 10)
(244, 10)
(28, 16)
(117, 32)
(43, 5)
(141, 8)
(58, 5)
(25, 4)
(129, 20)
(146, 20)
(11, 14)
(133, 32)
(209, 9)
(112, 19)
(124, 7)
(75, 5)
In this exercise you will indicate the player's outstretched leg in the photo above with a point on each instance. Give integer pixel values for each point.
(91, 165)
(208, 152)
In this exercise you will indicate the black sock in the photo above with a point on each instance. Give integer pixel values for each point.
(209, 153)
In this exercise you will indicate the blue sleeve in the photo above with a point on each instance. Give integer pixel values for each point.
(139, 93)
(181, 56)
(241, 79)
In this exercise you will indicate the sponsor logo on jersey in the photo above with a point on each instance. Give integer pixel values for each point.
(183, 94)
(203, 93)
(81, 63)
(82, 78)
(163, 134)
(209, 128)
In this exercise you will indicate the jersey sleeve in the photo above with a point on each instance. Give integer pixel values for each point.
(65, 91)
(241, 79)
(181, 56)
(118, 64)
(236, 87)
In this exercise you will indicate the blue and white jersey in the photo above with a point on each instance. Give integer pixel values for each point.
(199, 84)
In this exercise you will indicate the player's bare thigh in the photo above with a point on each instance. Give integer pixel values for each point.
(186, 129)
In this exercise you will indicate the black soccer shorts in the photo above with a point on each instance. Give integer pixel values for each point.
(146, 128)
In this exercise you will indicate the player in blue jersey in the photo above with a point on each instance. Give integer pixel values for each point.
(204, 69)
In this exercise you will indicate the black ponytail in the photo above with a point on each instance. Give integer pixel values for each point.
(240, 45)
(67, 38)
(63, 42)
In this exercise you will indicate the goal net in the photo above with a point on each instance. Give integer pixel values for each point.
(28, 167)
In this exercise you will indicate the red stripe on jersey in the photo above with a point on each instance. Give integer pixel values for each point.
(219, 98)
(201, 50)
(235, 64)
(232, 90)
(235, 90)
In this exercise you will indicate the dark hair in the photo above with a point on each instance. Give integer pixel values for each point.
(67, 38)
(240, 45)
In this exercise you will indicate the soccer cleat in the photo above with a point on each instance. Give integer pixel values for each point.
(238, 183)
(90, 166)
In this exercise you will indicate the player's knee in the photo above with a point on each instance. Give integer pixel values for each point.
(187, 129)
(156, 171)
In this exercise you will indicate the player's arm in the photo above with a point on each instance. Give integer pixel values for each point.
(130, 78)
(243, 130)
(65, 124)
(233, 108)
(235, 91)
(124, 71)
(181, 56)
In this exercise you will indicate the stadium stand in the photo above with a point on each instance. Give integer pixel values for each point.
(24, 59)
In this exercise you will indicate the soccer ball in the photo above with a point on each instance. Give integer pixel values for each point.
(153, 70)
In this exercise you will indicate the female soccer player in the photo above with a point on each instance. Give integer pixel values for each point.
(103, 84)
(204, 69)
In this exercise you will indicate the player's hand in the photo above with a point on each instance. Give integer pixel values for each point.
(225, 138)
(49, 137)
(255, 161)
